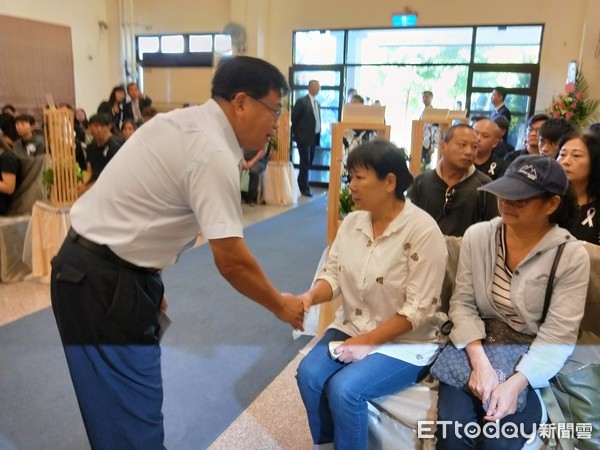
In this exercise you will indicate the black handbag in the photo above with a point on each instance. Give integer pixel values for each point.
(503, 346)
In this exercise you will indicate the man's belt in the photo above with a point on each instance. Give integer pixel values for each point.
(106, 253)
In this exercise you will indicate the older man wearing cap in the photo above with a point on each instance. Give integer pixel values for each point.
(502, 275)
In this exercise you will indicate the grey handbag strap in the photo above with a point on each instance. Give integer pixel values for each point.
(549, 287)
(555, 414)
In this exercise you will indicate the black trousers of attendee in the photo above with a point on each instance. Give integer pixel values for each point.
(107, 316)
(461, 407)
(307, 154)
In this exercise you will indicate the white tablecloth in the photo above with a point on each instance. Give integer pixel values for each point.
(47, 230)
(279, 184)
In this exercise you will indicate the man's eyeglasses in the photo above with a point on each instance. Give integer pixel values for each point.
(448, 199)
(276, 112)
(535, 130)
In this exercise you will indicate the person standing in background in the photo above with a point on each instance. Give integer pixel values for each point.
(306, 131)
(134, 108)
(426, 98)
(497, 98)
(350, 93)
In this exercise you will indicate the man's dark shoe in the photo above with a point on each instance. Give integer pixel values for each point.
(306, 193)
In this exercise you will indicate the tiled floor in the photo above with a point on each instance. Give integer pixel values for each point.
(275, 420)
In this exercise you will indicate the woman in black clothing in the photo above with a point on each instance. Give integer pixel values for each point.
(114, 107)
(580, 157)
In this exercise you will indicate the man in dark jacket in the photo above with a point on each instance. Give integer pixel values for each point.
(135, 107)
(306, 131)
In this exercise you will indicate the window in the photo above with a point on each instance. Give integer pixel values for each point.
(410, 46)
(201, 43)
(182, 50)
(461, 65)
(319, 47)
(504, 44)
(147, 45)
(171, 44)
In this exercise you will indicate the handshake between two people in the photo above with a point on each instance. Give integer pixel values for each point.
(293, 309)
(296, 306)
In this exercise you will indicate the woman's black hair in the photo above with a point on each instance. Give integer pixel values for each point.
(113, 94)
(384, 158)
(566, 211)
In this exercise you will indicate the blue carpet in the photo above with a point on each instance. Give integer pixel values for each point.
(220, 352)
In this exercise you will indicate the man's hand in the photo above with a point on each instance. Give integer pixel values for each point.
(292, 311)
(163, 304)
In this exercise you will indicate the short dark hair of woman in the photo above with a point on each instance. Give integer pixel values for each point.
(254, 76)
(384, 158)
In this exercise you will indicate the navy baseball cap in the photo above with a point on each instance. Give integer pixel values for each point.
(529, 176)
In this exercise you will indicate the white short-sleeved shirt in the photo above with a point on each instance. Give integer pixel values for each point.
(177, 175)
(400, 272)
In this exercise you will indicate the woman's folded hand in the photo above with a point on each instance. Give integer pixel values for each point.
(503, 400)
(354, 349)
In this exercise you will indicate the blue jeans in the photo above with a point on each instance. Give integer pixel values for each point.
(462, 407)
(335, 394)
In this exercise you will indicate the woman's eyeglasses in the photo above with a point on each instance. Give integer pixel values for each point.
(518, 203)
(448, 199)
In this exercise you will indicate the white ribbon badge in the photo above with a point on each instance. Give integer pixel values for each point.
(589, 216)
(492, 168)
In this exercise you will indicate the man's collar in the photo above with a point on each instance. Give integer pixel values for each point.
(468, 172)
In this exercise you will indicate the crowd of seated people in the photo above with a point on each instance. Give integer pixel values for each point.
(549, 194)
(22, 137)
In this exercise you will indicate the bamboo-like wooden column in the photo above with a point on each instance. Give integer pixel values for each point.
(60, 145)
(416, 148)
(283, 139)
(327, 310)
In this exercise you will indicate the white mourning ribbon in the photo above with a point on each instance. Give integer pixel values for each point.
(491, 171)
(589, 216)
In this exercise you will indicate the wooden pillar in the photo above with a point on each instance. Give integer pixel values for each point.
(60, 145)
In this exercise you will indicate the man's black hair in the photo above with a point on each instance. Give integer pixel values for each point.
(254, 76)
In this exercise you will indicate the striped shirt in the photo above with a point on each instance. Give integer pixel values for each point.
(501, 287)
